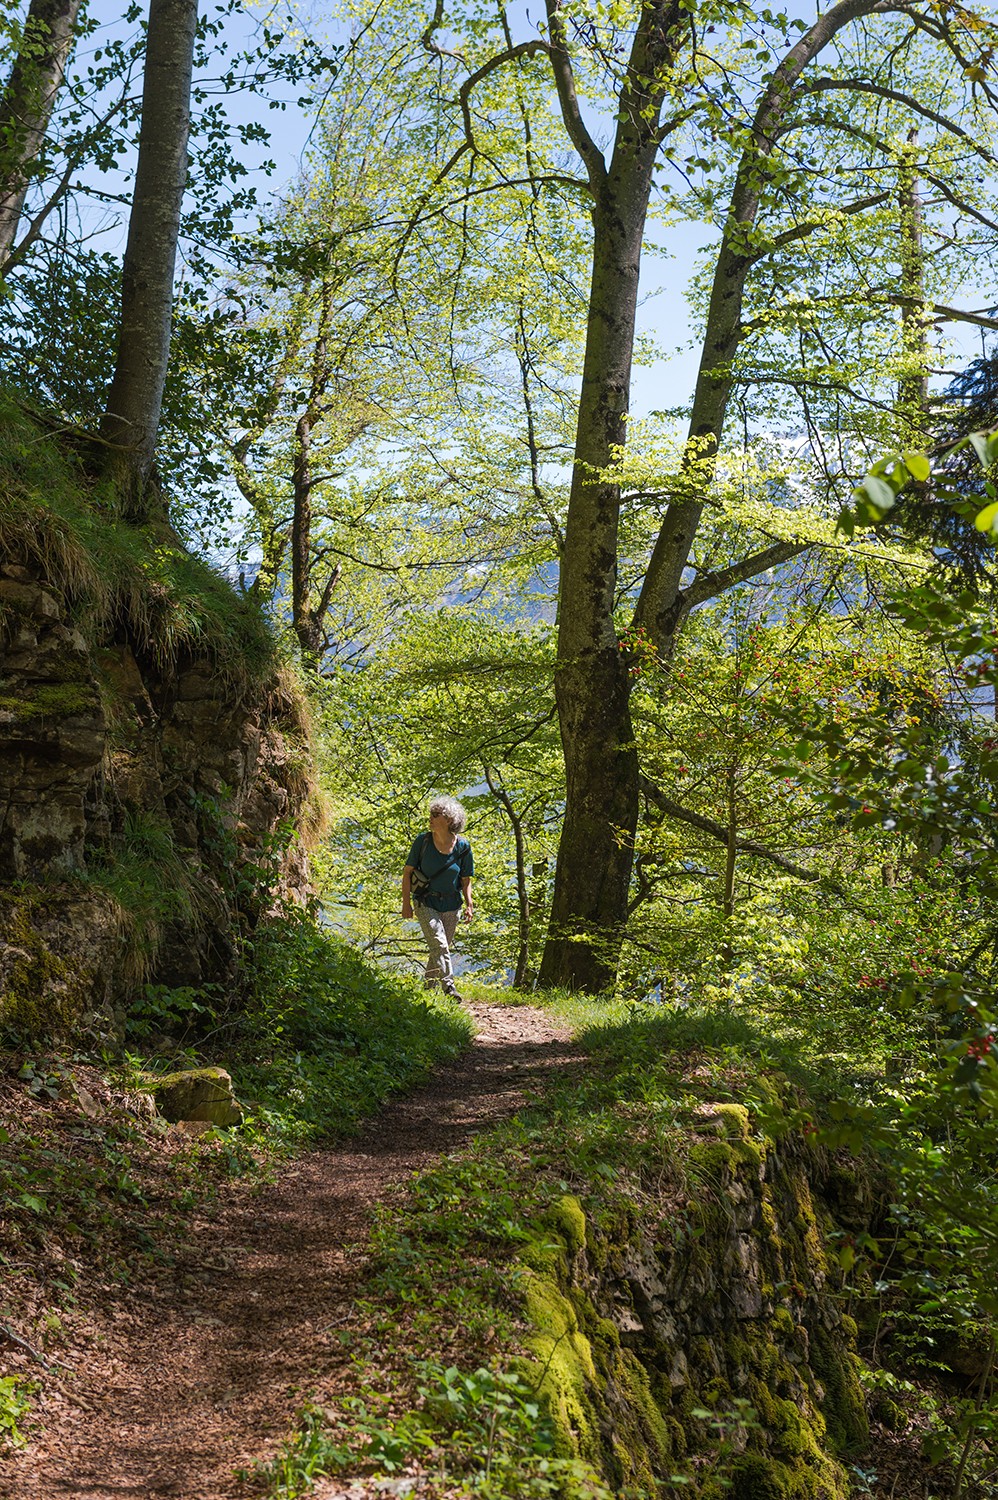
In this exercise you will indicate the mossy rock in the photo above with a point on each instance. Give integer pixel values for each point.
(754, 1477)
(598, 1395)
(733, 1120)
(888, 1412)
(196, 1094)
(569, 1220)
(56, 954)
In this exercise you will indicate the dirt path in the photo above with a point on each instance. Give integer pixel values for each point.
(201, 1369)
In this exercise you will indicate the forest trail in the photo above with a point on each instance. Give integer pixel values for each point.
(198, 1370)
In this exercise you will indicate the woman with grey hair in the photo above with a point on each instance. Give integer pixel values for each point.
(436, 882)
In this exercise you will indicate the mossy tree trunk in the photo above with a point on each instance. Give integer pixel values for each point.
(913, 386)
(131, 421)
(27, 103)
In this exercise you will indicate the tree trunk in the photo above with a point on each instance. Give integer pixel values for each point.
(730, 866)
(308, 619)
(27, 103)
(731, 858)
(301, 542)
(522, 969)
(592, 686)
(131, 421)
(913, 386)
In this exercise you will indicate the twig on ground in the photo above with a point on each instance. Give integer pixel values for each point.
(16, 1338)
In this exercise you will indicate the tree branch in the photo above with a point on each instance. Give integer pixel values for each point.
(803, 230)
(712, 584)
(822, 85)
(876, 297)
(720, 832)
(522, 49)
(426, 40)
(940, 311)
(958, 202)
(18, 252)
(564, 81)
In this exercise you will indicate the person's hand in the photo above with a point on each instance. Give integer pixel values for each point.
(407, 911)
(467, 914)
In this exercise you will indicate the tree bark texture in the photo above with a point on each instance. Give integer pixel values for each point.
(308, 613)
(27, 103)
(522, 968)
(592, 686)
(913, 386)
(135, 400)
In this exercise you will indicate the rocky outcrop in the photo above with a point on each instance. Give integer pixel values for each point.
(147, 798)
(715, 1328)
(52, 731)
(195, 1094)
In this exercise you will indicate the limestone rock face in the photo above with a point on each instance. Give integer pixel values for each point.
(196, 1094)
(59, 950)
(111, 764)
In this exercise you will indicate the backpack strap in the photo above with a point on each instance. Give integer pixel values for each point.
(455, 852)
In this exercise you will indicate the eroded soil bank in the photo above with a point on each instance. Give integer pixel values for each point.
(197, 1370)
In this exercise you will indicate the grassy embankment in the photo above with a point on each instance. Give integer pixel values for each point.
(477, 1355)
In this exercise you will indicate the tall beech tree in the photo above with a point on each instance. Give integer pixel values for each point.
(27, 104)
(131, 419)
(666, 82)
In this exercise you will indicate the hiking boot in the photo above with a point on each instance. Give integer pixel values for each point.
(452, 992)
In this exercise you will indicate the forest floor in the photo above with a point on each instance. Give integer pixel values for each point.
(197, 1368)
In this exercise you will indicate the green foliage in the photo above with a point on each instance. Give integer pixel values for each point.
(494, 1429)
(452, 701)
(486, 1428)
(15, 1405)
(178, 1012)
(890, 477)
(152, 885)
(324, 1037)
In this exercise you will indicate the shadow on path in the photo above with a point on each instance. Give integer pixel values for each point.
(211, 1358)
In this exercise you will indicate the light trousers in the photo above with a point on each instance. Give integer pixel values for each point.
(438, 928)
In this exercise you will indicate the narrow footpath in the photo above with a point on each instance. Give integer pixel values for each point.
(200, 1369)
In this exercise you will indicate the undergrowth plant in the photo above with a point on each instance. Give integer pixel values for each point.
(323, 1037)
(15, 1405)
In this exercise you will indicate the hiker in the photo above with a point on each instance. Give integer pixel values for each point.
(436, 882)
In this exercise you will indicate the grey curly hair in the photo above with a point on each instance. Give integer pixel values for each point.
(446, 807)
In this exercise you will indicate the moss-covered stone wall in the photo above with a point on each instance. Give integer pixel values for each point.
(706, 1341)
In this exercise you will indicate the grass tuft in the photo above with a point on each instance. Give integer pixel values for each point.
(63, 524)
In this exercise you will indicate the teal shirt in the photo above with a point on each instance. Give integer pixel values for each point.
(445, 871)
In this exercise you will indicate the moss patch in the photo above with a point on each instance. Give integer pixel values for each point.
(43, 993)
(56, 700)
(58, 521)
(635, 1411)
